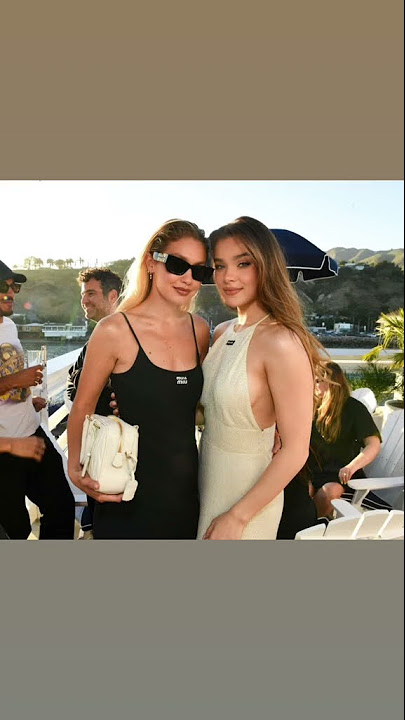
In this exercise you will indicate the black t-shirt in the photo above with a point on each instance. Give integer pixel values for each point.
(326, 459)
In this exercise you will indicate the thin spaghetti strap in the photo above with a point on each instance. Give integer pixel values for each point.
(132, 330)
(195, 340)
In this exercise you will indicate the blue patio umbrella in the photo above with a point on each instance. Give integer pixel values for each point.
(305, 261)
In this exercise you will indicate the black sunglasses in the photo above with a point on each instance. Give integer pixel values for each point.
(5, 287)
(178, 266)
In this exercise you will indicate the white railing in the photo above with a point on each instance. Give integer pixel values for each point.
(56, 377)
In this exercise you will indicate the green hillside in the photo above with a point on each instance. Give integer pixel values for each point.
(52, 295)
(359, 296)
(368, 257)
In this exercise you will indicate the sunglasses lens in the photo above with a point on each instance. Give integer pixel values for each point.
(202, 273)
(4, 287)
(207, 274)
(176, 265)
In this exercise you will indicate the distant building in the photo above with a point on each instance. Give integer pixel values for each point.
(69, 331)
(342, 327)
(316, 329)
(51, 330)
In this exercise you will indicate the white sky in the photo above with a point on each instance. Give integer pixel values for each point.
(108, 220)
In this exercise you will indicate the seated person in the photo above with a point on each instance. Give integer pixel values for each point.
(344, 440)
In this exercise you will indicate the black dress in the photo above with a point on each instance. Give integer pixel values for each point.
(299, 510)
(163, 404)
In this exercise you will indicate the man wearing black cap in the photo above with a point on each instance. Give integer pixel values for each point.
(44, 482)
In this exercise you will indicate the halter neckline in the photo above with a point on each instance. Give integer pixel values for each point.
(248, 327)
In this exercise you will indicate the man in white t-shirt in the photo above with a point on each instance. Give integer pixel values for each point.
(44, 482)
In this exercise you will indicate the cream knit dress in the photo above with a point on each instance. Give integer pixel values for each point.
(234, 451)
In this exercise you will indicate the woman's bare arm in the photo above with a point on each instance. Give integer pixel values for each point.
(202, 330)
(372, 445)
(100, 360)
(203, 339)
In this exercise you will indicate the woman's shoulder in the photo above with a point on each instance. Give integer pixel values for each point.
(221, 328)
(354, 408)
(273, 335)
(109, 326)
(352, 405)
(200, 323)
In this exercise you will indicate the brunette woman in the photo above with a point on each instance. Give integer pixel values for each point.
(259, 373)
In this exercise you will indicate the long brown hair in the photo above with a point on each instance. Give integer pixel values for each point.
(329, 412)
(137, 283)
(274, 289)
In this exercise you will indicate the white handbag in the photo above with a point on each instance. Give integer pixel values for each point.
(109, 453)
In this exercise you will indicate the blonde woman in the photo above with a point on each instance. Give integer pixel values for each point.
(259, 373)
(152, 349)
(344, 439)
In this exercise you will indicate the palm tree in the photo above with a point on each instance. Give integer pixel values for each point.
(390, 328)
(50, 262)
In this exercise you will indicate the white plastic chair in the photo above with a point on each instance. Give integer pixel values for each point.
(382, 524)
(344, 528)
(341, 529)
(393, 527)
(316, 532)
(386, 473)
(367, 397)
(371, 523)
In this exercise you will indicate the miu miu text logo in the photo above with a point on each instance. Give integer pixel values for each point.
(181, 380)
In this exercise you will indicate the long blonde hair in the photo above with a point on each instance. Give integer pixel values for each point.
(137, 283)
(274, 289)
(329, 413)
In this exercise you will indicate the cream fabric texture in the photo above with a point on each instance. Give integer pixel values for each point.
(234, 451)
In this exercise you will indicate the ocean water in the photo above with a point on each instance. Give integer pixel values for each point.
(54, 349)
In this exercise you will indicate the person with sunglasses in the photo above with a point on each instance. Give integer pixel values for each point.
(151, 348)
(259, 373)
(30, 466)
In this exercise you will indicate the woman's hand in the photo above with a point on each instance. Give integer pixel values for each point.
(90, 487)
(225, 527)
(346, 473)
(114, 406)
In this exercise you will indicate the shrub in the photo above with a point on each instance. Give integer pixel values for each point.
(381, 380)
